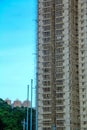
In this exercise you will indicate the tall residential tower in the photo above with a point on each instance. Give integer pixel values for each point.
(82, 40)
(62, 58)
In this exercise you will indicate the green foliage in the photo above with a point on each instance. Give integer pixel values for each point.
(12, 118)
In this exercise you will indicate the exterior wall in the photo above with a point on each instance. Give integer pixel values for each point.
(64, 45)
(83, 62)
(8, 101)
(58, 83)
(74, 66)
(40, 71)
(26, 103)
(17, 103)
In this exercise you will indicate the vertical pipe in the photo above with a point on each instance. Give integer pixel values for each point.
(27, 106)
(31, 105)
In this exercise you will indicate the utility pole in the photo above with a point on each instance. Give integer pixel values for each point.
(27, 106)
(31, 105)
(54, 127)
(24, 124)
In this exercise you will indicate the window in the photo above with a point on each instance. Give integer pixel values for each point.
(59, 95)
(45, 28)
(59, 75)
(85, 122)
(47, 116)
(58, 13)
(83, 96)
(59, 57)
(82, 64)
(46, 70)
(46, 58)
(46, 64)
(46, 96)
(46, 109)
(46, 4)
(59, 32)
(46, 102)
(46, 34)
(48, 15)
(60, 115)
(60, 123)
(47, 89)
(46, 77)
(59, 42)
(45, 10)
(45, 40)
(59, 89)
(83, 102)
(59, 26)
(59, 7)
(83, 70)
(46, 128)
(59, 82)
(46, 83)
(45, 52)
(59, 102)
(60, 108)
(46, 21)
(59, 50)
(83, 89)
(82, 77)
(60, 63)
(59, 19)
(59, 69)
(58, 1)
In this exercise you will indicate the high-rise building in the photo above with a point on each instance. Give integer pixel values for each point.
(62, 59)
(17, 103)
(8, 101)
(82, 40)
(26, 103)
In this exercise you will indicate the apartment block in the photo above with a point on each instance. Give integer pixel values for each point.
(17, 103)
(26, 103)
(62, 65)
(8, 101)
(82, 37)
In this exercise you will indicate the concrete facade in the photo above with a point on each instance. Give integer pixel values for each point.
(62, 40)
(82, 36)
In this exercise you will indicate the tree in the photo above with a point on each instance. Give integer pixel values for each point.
(12, 118)
(1, 125)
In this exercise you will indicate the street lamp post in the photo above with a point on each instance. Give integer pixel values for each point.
(27, 106)
(24, 124)
(31, 105)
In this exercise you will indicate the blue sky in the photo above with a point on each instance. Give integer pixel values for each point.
(17, 47)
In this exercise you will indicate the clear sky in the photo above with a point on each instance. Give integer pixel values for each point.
(17, 47)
